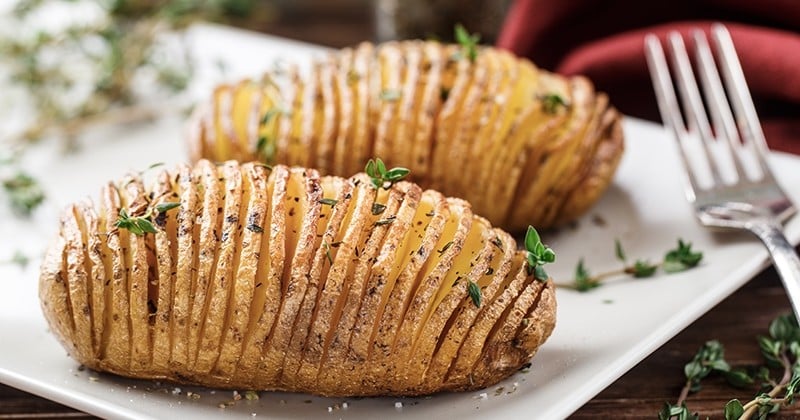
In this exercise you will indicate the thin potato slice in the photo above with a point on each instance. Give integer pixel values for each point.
(346, 105)
(187, 234)
(272, 257)
(161, 287)
(329, 126)
(409, 94)
(210, 213)
(77, 283)
(430, 102)
(312, 284)
(302, 214)
(419, 246)
(326, 248)
(134, 199)
(97, 274)
(359, 78)
(390, 76)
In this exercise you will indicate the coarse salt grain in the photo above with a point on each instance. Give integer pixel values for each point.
(398, 404)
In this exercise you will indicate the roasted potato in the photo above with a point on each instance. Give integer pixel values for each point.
(523, 145)
(250, 277)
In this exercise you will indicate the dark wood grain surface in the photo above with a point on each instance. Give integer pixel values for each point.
(736, 322)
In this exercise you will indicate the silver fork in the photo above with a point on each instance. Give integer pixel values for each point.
(755, 203)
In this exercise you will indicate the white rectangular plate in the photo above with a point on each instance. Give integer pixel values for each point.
(599, 336)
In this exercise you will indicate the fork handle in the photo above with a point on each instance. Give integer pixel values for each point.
(783, 256)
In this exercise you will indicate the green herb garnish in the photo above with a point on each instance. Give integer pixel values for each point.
(468, 42)
(552, 101)
(24, 193)
(377, 208)
(265, 149)
(675, 260)
(474, 292)
(539, 254)
(780, 351)
(139, 225)
(381, 177)
(328, 201)
(389, 95)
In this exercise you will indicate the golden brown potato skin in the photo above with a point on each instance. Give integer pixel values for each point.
(523, 145)
(279, 279)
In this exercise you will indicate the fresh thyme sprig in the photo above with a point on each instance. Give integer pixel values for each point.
(468, 42)
(551, 102)
(538, 255)
(381, 177)
(139, 225)
(24, 193)
(680, 258)
(781, 351)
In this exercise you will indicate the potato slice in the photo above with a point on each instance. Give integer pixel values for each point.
(210, 214)
(345, 104)
(601, 170)
(390, 75)
(329, 126)
(359, 79)
(97, 273)
(272, 257)
(415, 251)
(54, 294)
(407, 105)
(457, 79)
(133, 198)
(302, 214)
(160, 286)
(430, 102)
(77, 282)
(332, 216)
(187, 235)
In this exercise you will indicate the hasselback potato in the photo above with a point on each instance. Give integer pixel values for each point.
(241, 276)
(523, 145)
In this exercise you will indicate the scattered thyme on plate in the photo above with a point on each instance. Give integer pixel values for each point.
(23, 192)
(780, 350)
(680, 258)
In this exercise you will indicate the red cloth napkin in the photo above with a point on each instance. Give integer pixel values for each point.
(604, 40)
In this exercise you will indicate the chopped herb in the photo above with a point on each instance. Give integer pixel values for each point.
(381, 177)
(619, 251)
(584, 280)
(265, 149)
(445, 247)
(385, 221)
(377, 208)
(353, 76)
(389, 95)
(642, 269)
(469, 42)
(489, 271)
(165, 207)
(497, 242)
(474, 292)
(328, 201)
(255, 228)
(327, 252)
(681, 258)
(444, 93)
(24, 193)
(272, 113)
(552, 101)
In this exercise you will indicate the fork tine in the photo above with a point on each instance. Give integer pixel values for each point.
(718, 106)
(687, 85)
(668, 104)
(742, 102)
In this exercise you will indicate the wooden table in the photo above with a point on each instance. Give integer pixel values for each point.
(640, 393)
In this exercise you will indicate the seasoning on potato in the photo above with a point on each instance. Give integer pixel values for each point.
(523, 145)
(249, 277)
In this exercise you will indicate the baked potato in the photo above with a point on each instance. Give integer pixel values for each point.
(249, 277)
(523, 145)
